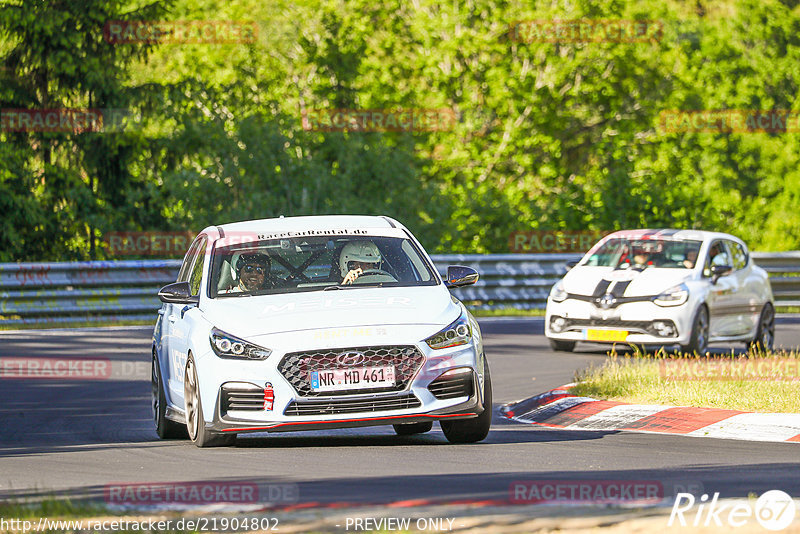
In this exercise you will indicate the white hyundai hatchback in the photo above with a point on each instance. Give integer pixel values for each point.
(663, 287)
(309, 323)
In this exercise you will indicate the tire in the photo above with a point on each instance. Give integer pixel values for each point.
(409, 429)
(562, 346)
(477, 428)
(698, 342)
(765, 333)
(165, 428)
(195, 421)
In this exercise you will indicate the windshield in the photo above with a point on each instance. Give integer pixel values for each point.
(299, 264)
(643, 253)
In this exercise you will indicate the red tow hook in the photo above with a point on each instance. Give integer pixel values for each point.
(269, 396)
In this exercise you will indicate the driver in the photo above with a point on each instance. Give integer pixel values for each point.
(641, 257)
(252, 271)
(357, 258)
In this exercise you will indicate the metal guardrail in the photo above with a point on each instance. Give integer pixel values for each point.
(112, 291)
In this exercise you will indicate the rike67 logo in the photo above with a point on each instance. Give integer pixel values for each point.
(774, 510)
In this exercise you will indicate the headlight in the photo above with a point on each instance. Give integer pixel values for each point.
(458, 333)
(674, 296)
(228, 346)
(557, 294)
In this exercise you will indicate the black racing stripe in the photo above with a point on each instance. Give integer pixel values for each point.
(601, 288)
(665, 232)
(619, 288)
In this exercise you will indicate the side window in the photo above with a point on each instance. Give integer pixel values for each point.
(738, 255)
(717, 255)
(196, 274)
(188, 260)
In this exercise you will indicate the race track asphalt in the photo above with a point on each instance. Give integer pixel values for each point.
(77, 437)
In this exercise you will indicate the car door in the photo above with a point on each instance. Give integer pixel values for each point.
(722, 303)
(176, 319)
(749, 295)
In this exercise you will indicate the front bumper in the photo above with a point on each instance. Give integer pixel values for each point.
(296, 411)
(645, 322)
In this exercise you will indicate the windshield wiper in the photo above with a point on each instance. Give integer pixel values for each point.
(353, 286)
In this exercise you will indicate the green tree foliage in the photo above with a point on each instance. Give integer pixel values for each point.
(547, 134)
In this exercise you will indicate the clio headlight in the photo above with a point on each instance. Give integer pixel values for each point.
(674, 296)
(557, 293)
(457, 333)
(228, 346)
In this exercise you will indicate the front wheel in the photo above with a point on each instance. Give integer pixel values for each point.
(765, 333)
(561, 345)
(477, 428)
(698, 342)
(195, 421)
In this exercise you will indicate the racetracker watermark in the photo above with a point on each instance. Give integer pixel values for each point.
(586, 491)
(72, 369)
(379, 120)
(148, 243)
(535, 241)
(204, 492)
(774, 510)
(68, 120)
(586, 31)
(180, 32)
(749, 369)
(57, 368)
(725, 121)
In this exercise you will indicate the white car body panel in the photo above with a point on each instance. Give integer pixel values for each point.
(343, 320)
(734, 302)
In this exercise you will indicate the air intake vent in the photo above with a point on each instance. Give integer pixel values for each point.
(450, 387)
(241, 399)
(351, 406)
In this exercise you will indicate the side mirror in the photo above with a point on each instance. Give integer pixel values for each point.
(572, 263)
(719, 270)
(459, 276)
(177, 293)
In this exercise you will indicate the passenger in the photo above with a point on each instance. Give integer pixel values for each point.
(252, 272)
(691, 258)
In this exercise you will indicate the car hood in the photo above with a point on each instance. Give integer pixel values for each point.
(273, 314)
(650, 281)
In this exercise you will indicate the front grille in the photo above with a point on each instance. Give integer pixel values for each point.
(241, 399)
(610, 323)
(644, 327)
(450, 388)
(349, 406)
(297, 366)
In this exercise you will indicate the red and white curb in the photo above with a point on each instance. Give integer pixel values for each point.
(558, 408)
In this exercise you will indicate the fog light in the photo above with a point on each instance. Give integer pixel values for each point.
(557, 324)
(664, 329)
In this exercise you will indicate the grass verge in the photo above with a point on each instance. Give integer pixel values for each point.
(77, 324)
(643, 379)
(51, 507)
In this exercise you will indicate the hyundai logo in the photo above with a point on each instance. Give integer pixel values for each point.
(350, 358)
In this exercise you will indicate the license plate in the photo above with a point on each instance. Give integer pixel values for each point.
(605, 335)
(353, 378)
